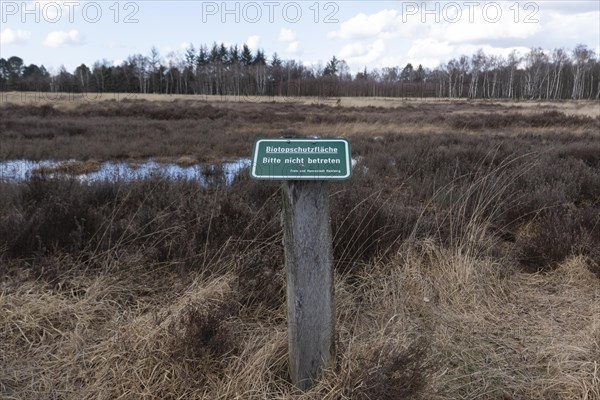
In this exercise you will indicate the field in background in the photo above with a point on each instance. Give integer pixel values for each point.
(202, 131)
(73, 100)
(467, 253)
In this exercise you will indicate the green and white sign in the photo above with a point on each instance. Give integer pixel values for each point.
(301, 159)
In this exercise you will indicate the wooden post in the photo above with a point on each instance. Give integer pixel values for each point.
(308, 263)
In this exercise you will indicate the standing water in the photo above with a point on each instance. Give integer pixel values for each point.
(16, 171)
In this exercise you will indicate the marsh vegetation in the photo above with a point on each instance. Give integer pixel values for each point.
(466, 245)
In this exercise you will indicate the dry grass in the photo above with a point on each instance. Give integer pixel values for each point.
(163, 290)
(70, 167)
(430, 324)
(186, 161)
(189, 130)
(73, 100)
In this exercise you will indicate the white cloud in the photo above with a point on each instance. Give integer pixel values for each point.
(287, 35)
(360, 54)
(293, 48)
(456, 25)
(485, 24)
(431, 52)
(9, 36)
(582, 27)
(434, 33)
(61, 38)
(253, 42)
(569, 6)
(384, 24)
(176, 49)
(172, 58)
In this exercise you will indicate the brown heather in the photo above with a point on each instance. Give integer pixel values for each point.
(466, 246)
(198, 130)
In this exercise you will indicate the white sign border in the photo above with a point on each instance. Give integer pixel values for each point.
(303, 178)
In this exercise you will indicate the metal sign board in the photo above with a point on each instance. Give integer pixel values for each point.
(301, 159)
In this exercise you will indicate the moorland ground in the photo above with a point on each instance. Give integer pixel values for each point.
(466, 245)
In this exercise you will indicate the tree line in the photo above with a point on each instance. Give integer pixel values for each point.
(235, 70)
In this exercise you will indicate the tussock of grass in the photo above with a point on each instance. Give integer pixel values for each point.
(427, 324)
(71, 168)
(186, 161)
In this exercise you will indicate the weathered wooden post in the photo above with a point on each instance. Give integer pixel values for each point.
(308, 263)
(305, 165)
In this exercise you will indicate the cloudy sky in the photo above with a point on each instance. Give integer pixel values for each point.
(374, 34)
